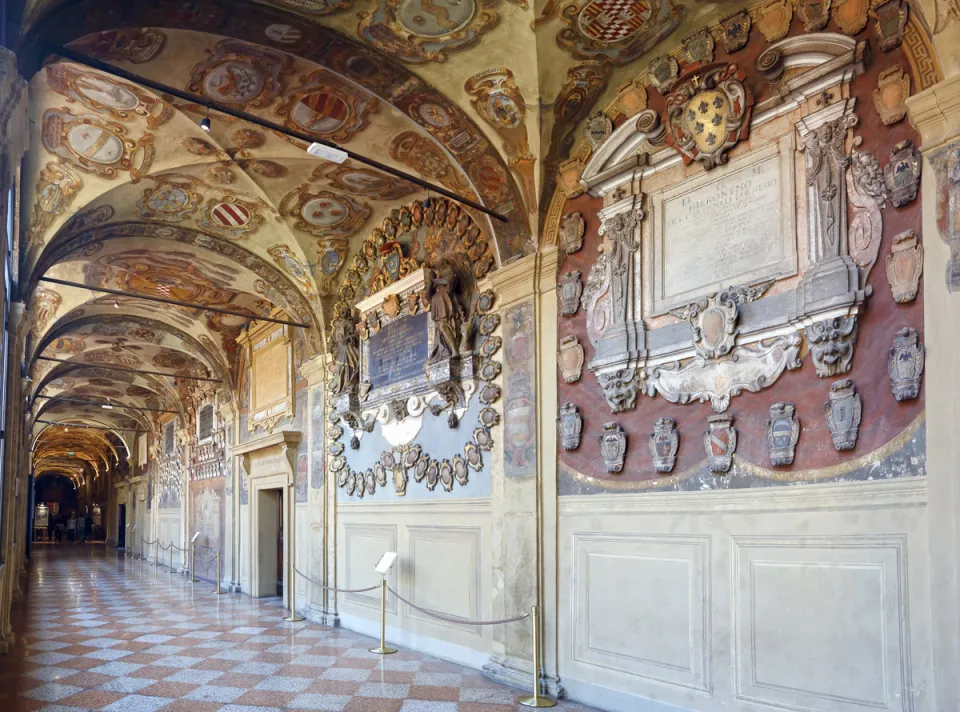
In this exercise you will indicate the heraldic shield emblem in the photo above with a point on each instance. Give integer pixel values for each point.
(708, 114)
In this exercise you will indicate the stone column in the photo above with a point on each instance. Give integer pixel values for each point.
(231, 495)
(935, 113)
(314, 549)
(523, 493)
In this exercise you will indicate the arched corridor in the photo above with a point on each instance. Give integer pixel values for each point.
(603, 350)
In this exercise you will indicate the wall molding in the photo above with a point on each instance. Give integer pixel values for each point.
(877, 494)
(433, 506)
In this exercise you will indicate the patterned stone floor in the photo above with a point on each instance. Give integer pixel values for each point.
(100, 632)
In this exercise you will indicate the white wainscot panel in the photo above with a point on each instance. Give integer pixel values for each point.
(444, 573)
(641, 607)
(820, 624)
(364, 544)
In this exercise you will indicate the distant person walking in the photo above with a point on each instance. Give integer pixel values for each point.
(72, 528)
(81, 528)
(88, 532)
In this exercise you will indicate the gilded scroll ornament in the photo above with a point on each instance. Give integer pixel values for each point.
(709, 114)
(843, 412)
(664, 443)
(890, 96)
(904, 266)
(613, 447)
(720, 442)
(734, 31)
(905, 364)
(569, 426)
(773, 19)
(782, 431)
(815, 14)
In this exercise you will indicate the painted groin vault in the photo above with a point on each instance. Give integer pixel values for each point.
(644, 315)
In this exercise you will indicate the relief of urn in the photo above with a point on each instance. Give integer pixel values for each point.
(613, 446)
(720, 442)
(664, 443)
(843, 412)
(905, 364)
(570, 289)
(570, 359)
(782, 432)
(569, 426)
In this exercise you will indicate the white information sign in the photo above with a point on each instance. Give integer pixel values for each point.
(386, 561)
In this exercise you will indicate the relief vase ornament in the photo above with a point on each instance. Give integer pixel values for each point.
(720, 442)
(569, 426)
(782, 430)
(890, 96)
(613, 446)
(570, 359)
(664, 443)
(902, 173)
(904, 266)
(905, 364)
(843, 412)
(572, 230)
(831, 344)
(570, 288)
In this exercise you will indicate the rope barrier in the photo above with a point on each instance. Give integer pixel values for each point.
(455, 619)
(333, 588)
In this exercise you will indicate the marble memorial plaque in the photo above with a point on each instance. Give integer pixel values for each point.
(734, 225)
(272, 377)
(398, 351)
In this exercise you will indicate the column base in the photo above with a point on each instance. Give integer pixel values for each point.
(516, 673)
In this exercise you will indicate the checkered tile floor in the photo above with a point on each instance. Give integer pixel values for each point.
(100, 632)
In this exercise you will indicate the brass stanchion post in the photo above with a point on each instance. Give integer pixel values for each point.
(292, 576)
(536, 699)
(193, 567)
(218, 591)
(383, 649)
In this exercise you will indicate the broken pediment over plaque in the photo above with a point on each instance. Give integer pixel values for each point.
(415, 351)
(750, 368)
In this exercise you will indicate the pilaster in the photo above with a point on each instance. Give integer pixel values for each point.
(935, 113)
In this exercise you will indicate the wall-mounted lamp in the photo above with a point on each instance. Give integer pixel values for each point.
(205, 123)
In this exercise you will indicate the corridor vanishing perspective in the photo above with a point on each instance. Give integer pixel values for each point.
(535, 352)
(100, 631)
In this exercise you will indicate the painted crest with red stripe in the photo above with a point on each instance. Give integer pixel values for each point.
(230, 215)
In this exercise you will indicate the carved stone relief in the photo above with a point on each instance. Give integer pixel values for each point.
(569, 426)
(868, 194)
(905, 364)
(749, 368)
(782, 431)
(664, 443)
(773, 19)
(904, 266)
(569, 291)
(890, 96)
(843, 412)
(734, 31)
(902, 173)
(708, 115)
(890, 19)
(570, 359)
(831, 343)
(613, 446)
(720, 442)
(620, 388)
(713, 320)
(698, 46)
(815, 14)
(572, 229)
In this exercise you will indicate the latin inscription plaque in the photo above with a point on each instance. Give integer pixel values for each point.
(398, 351)
(731, 226)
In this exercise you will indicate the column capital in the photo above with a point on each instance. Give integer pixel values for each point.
(536, 273)
(935, 113)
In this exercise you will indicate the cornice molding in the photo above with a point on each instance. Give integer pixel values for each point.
(935, 113)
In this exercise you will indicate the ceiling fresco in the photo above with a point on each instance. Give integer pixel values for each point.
(494, 100)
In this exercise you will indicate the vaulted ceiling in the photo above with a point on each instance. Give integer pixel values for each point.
(123, 190)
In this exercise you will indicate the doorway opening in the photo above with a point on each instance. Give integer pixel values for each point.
(270, 542)
(122, 527)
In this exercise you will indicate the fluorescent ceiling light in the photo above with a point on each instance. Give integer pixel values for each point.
(328, 153)
(107, 406)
